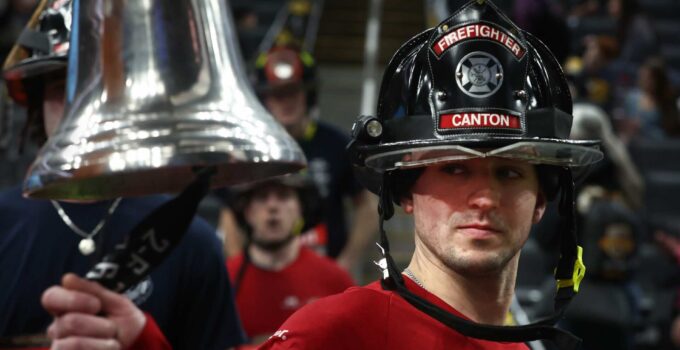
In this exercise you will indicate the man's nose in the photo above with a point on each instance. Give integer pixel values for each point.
(272, 201)
(484, 193)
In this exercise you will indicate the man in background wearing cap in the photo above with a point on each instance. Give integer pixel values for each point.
(286, 83)
(188, 296)
(275, 275)
(471, 138)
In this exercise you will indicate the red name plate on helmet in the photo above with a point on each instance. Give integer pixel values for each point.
(480, 120)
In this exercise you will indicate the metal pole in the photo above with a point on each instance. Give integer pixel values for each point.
(368, 95)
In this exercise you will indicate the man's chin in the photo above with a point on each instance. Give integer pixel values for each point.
(273, 244)
(478, 263)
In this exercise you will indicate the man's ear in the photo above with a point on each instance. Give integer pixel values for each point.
(407, 204)
(539, 209)
(248, 213)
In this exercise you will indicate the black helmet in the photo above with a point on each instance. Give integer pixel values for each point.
(41, 49)
(283, 68)
(474, 86)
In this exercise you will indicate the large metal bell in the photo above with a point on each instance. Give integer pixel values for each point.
(156, 91)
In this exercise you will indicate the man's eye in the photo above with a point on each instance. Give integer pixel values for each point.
(452, 169)
(509, 173)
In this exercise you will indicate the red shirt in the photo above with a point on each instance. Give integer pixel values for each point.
(267, 298)
(372, 318)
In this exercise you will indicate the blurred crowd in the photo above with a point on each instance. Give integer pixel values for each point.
(622, 58)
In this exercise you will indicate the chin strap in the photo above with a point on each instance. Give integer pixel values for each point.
(569, 272)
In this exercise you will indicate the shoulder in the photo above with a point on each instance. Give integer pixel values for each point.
(324, 270)
(10, 193)
(17, 210)
(353, 319)
(234, 264)
(11, 198)
(330, 132)
(324, 265)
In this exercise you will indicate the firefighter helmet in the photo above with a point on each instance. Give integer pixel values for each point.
(474, 86)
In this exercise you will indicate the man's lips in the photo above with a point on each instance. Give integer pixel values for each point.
(273, 222)
(479, 230)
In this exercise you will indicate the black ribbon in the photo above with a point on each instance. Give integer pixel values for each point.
(152, 240)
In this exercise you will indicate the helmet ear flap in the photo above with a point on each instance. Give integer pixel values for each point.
(403, 181)
(549, 181)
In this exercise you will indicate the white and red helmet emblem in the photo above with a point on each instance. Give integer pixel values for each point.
(479, 74)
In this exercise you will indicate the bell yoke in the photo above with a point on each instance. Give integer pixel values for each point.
(475, 86)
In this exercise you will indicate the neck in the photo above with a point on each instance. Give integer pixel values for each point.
(484, 299)
(274, 260)
(297, 131)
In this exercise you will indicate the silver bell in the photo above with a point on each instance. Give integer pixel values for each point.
(156, 90)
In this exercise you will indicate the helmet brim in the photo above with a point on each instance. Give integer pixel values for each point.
(415, 154)
(34, 67)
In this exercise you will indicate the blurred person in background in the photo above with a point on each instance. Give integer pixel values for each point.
(609, 311)
(634, 32)
(13, 17)
(650, 111)
(615, 179)
(275, 274)
(188, 296)
(582, 8)
(591, 73)
(247, 22)
(286, 82)
(671, 243)
(535, 16)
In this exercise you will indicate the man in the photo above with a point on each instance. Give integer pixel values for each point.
(276, 275)
(188, 296)
(471, 138)
(286, 83)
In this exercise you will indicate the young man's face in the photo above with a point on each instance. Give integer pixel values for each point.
(272, 212)
(53, 104)
(288, 106)
(473, 216)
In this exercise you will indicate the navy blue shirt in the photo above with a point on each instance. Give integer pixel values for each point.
(330, 168)
(189, 294)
